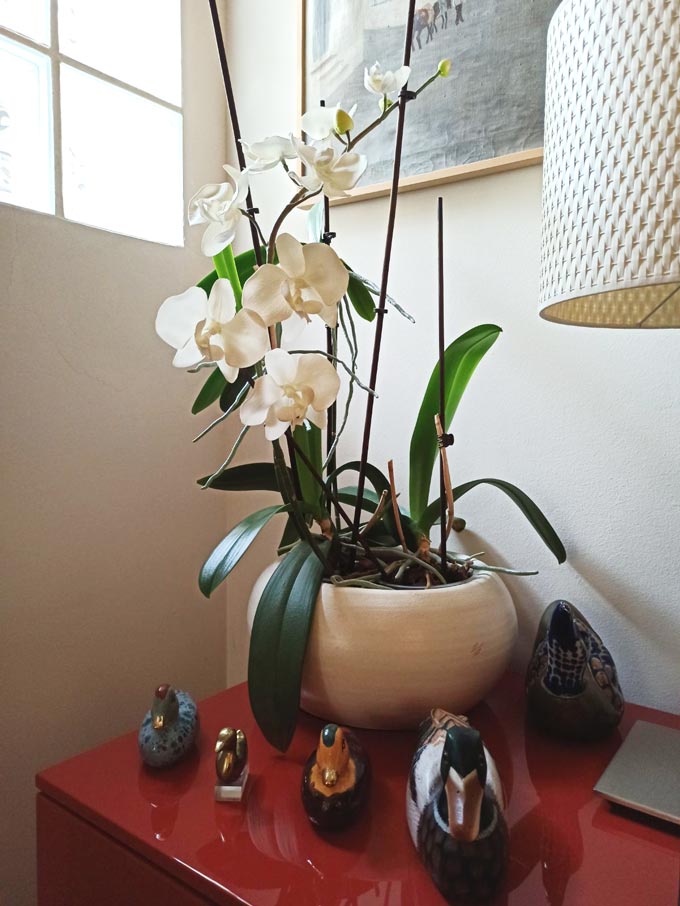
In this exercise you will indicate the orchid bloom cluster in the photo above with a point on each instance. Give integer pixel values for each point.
(234, 327)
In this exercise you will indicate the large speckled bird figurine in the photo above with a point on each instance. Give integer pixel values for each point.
(335, 779)
(169, 728)
(454, 808)
(572, 687)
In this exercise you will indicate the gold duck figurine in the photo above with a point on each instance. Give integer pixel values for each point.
(335, 779)
(572, 686)
(231, 755)
(454, 809)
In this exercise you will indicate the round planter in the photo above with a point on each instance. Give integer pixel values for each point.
(382, 659)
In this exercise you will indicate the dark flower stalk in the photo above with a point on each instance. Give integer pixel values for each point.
(404, 96)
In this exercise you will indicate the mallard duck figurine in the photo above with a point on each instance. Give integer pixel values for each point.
(335, 779)
(454, 808)
(231, 755)
(572, 687)
(169, 728)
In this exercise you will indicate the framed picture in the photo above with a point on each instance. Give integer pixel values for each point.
(486, 117)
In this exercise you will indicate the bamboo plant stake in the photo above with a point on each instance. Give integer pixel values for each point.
(233, 116)
(404, 96)
(331, 350)
(236, 129)
(444, 440)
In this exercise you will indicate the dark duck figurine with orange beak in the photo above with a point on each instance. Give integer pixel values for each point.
(572, 687)
(335, 779)
(454, 811)
(169, 728)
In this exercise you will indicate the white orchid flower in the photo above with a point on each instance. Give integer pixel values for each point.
(296, 387)
(208, 328)
(308, 280)
(382, 83)
(322, 122)
(218, 205)
(327, 170)
(268, 153)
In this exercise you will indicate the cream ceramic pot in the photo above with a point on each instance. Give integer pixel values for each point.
(382, 659)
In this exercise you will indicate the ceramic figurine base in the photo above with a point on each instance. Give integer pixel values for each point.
(232, 792)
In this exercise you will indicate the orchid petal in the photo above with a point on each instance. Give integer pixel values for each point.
(262, 293)
(221, 302)
(292, 329)
(401, 77)
(218, 236)
(255, 409)
(178, 316)
(325, 272)
(281, 366)
(274, 429)
(316, 371)
(229, 371)
(291, 257)
(319, 419)
(245, 339)
(188, 355)
(319, 122)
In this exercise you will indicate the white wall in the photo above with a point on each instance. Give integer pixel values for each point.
(587, 422)
(103, 529)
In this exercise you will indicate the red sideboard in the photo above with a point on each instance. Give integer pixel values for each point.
(114, 833)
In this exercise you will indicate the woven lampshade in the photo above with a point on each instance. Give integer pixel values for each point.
(610, 252)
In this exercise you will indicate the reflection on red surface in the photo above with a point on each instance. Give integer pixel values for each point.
(568, 847)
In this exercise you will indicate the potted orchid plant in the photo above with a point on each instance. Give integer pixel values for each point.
(361, 614)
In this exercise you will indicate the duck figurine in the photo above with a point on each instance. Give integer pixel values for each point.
(572, 687)
(169, 728)
(454, 809)
(231, 755)
(335, 779)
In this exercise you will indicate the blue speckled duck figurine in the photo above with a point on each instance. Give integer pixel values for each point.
(169, 729)
(454, 808)
(572, 687)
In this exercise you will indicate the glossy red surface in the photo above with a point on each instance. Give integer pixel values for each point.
(568, 847)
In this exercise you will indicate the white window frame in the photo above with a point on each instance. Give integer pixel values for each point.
(56, 58)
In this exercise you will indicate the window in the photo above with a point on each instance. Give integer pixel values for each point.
(90, 113)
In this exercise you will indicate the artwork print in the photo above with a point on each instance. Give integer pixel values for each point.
(490, 106)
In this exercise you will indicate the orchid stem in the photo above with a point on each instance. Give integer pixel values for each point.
(297, 200)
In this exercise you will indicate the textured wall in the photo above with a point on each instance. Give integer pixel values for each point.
(102, 529)
(587, 422)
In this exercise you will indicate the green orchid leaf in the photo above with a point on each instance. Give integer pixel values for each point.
(232, 547)
(360, 298)
(210, 391)
(252, 476)
(309, 442)
(232, 391)
(289, 537)
(535, 516)
(279, 641)
(369, 502)
(461, 358)
(208, 281)
(373, 475)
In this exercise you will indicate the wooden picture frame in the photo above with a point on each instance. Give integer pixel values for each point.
(532, 68)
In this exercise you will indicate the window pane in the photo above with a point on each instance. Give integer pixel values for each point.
(136, 41)
(28, 17)
(25, 127)
(121, 160)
